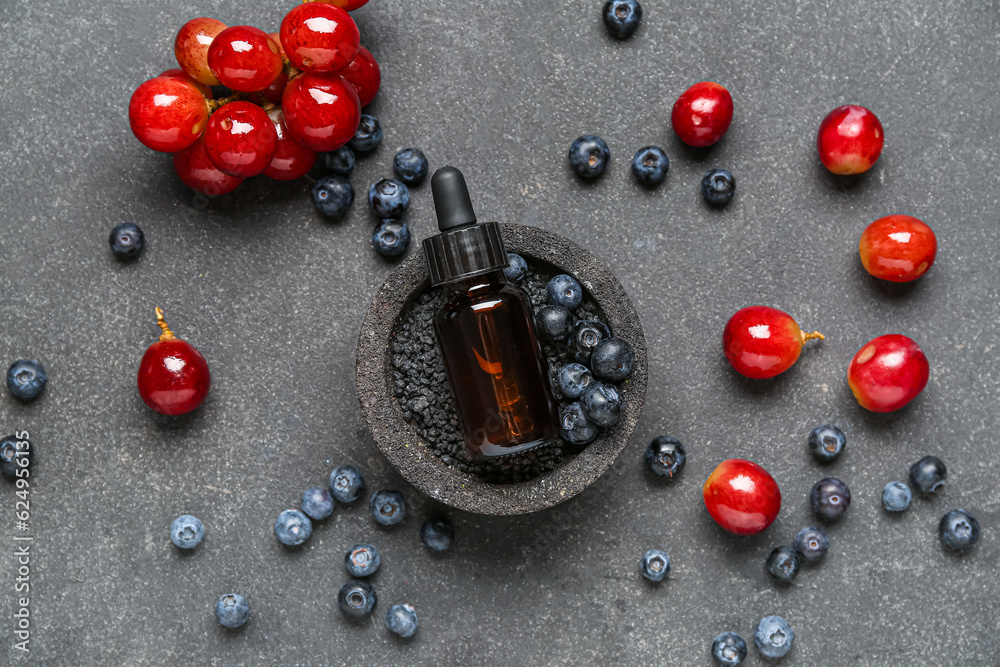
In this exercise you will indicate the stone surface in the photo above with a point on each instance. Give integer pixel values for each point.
(409, 454)
(274, 297)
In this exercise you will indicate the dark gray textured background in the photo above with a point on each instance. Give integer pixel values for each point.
(274, 297)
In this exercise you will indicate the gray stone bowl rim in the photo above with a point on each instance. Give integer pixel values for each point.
(414, 458)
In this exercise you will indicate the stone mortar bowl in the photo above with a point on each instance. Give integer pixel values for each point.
(414, 457)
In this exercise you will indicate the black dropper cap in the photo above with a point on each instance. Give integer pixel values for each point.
(451, 199)
(463, 248)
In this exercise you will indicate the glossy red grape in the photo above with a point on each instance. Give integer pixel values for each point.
(702, 114)
(240, 139)
(897, 247)
(197, 171)
(364, 74)
(319, 37)
(173, 376)
(349, 5)
(276, 38)
(244, 59)
(291, 159)
(850, 140)
(888, 372)
(742, 497)
(168, 113)
(321, 110)
(761, 342)
(191, 48)
(178, 73)
(274, 92)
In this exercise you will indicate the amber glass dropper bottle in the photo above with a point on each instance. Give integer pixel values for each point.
(494, 361)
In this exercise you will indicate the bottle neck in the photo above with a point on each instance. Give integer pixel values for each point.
(484, 282)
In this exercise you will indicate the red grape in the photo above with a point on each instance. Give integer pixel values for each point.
(191, 48)
(363, 73)
(244, 59)
(897, 247)
(198, 172)
(702, 114)
(276, 38)
(850, 140)
(173, 376)
(167, 113)
(274, 92)
(319, 38)
(742, 497)
(291, 159)
(321, 110)
(887, 373)
(240, 139)
(761, 342)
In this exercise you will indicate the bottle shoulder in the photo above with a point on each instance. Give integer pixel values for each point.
(503, 295)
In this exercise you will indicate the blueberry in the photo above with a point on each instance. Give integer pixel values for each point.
(357, 599)
(339, 162)
(391, 238)
(812, 544)
(292, 528)
(577, 429)
(368, 135)
(26, 379)
(602, 403)
(516, 269)
(896, 496)
(650, 165)
(621, 17)
(928, 474)
(958, 530)
(232, 610)
(554, 323)
(317, 503)
(126, 240)
(388, 198)
(826, 443)
(410, 166)
(830, 498)
(437, 533)
(665, 456)
(388, 507)
(655, 565)
(564, 291)
(401, 620)
(14, 457)
(718, 187)
(333, 196)
(573, 379)
(588, 156)
(729, 649)
(773, 637)
(186, 531)
(783, 564)
(584, 338)
(346, 484)
(612, 359)
(362, 560)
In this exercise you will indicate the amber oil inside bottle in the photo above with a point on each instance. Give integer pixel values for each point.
(498, 373)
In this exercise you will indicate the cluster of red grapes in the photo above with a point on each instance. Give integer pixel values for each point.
(291, 94)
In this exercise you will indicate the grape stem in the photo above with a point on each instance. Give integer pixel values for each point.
(160, 322)
(215, 104)
(812, 336)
